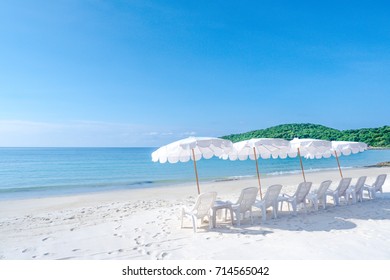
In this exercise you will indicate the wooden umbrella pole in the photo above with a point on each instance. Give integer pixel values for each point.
(338, 163)
(258, 173)
(196, 170)
(300, 159)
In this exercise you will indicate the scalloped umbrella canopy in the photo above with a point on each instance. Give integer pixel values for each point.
(192, 148)
(264, 147)
(260, 147)
(311, 148)
(346, 148)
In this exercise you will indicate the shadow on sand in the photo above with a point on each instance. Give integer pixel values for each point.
(342, 217)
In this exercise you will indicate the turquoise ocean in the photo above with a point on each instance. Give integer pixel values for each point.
(43, 172)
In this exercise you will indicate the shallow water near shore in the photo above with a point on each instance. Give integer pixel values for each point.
(42, 172)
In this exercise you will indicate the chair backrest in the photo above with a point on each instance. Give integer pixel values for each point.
(203, 204)
(247, 198)
(321, 192)
(272, 195)
(302, 191)
(360, 183)
(380, 180)
(343, 186)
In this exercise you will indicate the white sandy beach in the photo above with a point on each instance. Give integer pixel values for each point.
(145, 224)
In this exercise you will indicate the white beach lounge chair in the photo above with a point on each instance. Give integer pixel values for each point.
(244, 204)
(340, 191)
(318, 197)
(376, 187)
(355, 192)
(270, 199)
(298, 198)
(201, 209)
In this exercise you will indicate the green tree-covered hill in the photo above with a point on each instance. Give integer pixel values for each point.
(374, 137)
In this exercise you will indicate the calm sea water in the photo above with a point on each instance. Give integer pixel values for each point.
(42, 172)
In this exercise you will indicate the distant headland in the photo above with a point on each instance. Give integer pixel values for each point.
(375, 138)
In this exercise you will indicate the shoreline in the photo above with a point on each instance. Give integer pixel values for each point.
(142, 224)
(152, 185)
(225, 187)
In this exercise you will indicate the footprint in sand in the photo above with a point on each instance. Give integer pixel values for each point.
(162, 256)
(139, 240)
(166, 231)
(141, 251)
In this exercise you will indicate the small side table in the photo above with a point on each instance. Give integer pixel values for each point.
(219, 205)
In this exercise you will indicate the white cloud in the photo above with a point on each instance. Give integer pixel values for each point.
(190, 133)
(77, 133)
(152, 133)
(20, 133)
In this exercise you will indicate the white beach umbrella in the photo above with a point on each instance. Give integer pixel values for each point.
(192, 148)
(311, 148)
(260, 147)
(346, 148)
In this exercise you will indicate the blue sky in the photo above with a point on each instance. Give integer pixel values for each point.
(145, 73)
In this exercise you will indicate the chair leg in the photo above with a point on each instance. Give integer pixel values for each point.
(238, 217)
(294, 207)
(194, 223)
(231, 216)
(304, 206)
(315, 202)
(361, 196)
(182, 217)
(213, 220)
(264, 214)
(322, 202)
(275, 212)
(336, 199)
